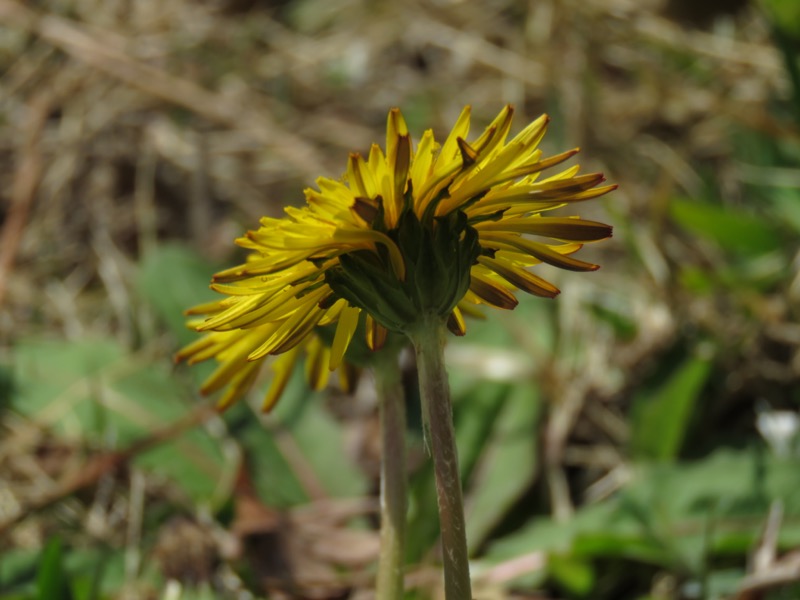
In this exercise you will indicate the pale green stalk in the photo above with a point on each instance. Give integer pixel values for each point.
(393, 477)
(437, 413)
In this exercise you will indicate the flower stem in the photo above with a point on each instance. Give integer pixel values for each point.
(438, 417)
(393, 478)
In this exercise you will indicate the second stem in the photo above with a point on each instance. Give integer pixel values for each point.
(437, 413)
(393, 478)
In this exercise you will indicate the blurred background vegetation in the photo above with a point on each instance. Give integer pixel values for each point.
(634, 439)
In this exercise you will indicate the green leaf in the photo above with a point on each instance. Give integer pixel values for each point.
(673, 515)
(786, 14)
(704, 506)
(92, 390)
(18, 568)
(545, 534)
(501, 330)
(734, 231)
(202, 592)
(322, 443)
(625, 539)
(273, 477)
(479, 407)
(303, 443)
(787, 205)
(661, 416)
(422, 527)
(508, 463)
(696, 280)
(173, 278)
(575, 576)
(98, 572)
(731, 482)
(624, 327)
(723, 583)
(52, 582)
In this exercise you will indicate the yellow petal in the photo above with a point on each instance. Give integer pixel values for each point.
(291, 331)
(233, 360)
(239, 386)
(543, 252)
(283, 368)
(572, 229)
(194, 348)
(398, 160)
(519, 277)
(376, 334)
(449, 152)
(491, 293)
(495, 134)
(221, 342)
(348, 322)
(205, 309)
(469, 309)
(333, 311)
(358, 176)
(317, 358)
(248, 310)
(421, 164)
(455, 323)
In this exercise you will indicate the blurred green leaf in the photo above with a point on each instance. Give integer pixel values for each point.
(574, 575)
(274, 479)
(52, 581)
(500, 330)
(731, 482)
(173, 278)
(543, 533)
(423, 518)
(95, 572)
(18, 568)
(322, 443)
(661, 416)
(787, 205)
(508, 463)
(300, 422)
(202, 592)
(626, 538)
(83, 587)
(734, 231)
(696, 280)
(786, 15)
(92, 390)
(480, 405)
(723, 583)
(673, 514)
(624, 327)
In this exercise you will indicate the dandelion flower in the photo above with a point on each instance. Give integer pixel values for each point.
(408, 234)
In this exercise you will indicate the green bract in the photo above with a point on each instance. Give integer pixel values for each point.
(438, 259)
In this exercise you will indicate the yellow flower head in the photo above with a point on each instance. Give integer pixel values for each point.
(405, 236)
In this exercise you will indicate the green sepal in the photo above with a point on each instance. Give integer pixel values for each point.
(370, 287)
(438, 258)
